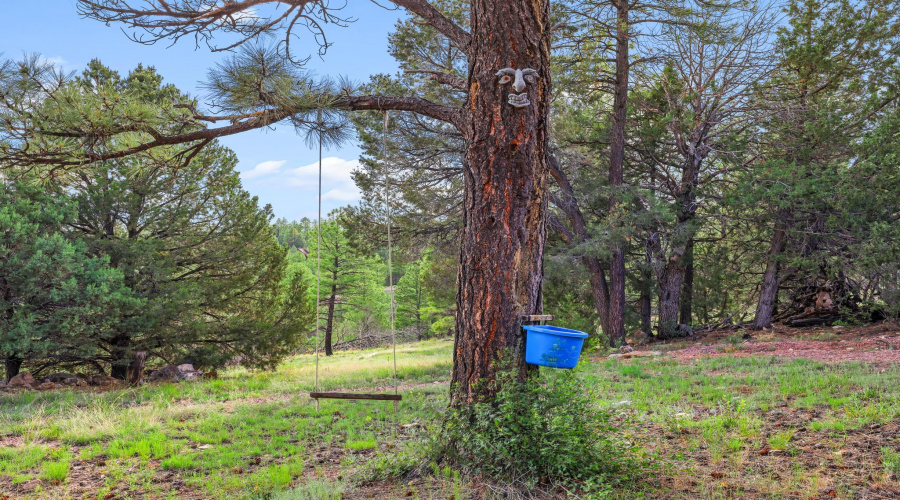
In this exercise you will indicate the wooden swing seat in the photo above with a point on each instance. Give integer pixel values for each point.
(355, 395)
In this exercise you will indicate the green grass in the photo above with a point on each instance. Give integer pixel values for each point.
(258, 435)
(891, 461)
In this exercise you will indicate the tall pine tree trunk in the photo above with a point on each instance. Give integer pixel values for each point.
(687, 287)
(599, 291)
(12, 364)
(670, 281)
(329, 321)
(647, 286)
(768, 291)
(616, 174)
(121, 353)
(505, 202)
(567, 202)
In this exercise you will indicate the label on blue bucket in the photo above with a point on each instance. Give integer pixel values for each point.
(553, 346)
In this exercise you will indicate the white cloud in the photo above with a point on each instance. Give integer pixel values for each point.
(334, 171)
(57, 61)
(264, 168)
(338, 188)
(247, 16)
(337, 179)
(342, 196)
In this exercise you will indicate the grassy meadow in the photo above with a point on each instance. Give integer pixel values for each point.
(719, 427)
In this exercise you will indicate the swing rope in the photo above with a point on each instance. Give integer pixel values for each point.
(336, 395)
(387, 205)
(318, 254)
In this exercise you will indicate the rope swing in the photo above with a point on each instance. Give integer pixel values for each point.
(395, 397)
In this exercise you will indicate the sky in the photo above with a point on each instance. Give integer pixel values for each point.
(275, 165)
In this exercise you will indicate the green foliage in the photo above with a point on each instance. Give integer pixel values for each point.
(891, 461)
(419, 305)
(55, 471)
(567, 295)
(59, 303)
(547, 428)
(201, 276)
(193, 244)
(293, 234)
(354, 299)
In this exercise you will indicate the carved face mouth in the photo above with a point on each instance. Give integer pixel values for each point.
(518, 100)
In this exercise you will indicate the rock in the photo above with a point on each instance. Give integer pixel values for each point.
(46, 386)
(59, 377)
(684, 330)
(626, 349)
(191, 375)
(175, 373)
(168, 372)
(103, 381)
(2, 383)
(67, 379)
(23, 379)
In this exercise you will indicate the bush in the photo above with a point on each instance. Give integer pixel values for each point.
(544, 431)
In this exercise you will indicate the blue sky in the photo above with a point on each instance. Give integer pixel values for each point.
(276, 165)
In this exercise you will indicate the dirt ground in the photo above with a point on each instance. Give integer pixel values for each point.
(877, 344)
(847, 461)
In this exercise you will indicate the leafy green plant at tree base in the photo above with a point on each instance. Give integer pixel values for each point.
(545, 431)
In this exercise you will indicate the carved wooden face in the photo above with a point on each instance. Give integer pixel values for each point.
(520, 79)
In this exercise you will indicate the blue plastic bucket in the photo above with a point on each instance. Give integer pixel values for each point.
(553, 346)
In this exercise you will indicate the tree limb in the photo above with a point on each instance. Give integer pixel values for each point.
(435, 18)
(415, 104)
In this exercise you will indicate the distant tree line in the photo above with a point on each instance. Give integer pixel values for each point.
(355, 296)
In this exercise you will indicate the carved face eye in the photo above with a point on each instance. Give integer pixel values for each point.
(529, 78)
(505, 79)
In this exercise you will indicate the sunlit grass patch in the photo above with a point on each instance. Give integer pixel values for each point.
(781, 440)
(178, 462)
(361, 444)
(313, 490)
(891, 461)
(57, 468)
(14, 461)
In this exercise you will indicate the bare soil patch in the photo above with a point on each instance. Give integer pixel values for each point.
(878, 344)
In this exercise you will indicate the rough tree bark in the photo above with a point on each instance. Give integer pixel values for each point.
(687, 287)
(329, 320)
(768, 292)
(12, 364)
(647, 288)
(120, 356)
(505, 202)
(567, 202)
(135, 372)
(670, 279)
(616, 174)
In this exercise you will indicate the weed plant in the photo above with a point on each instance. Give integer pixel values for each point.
(543, 432)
